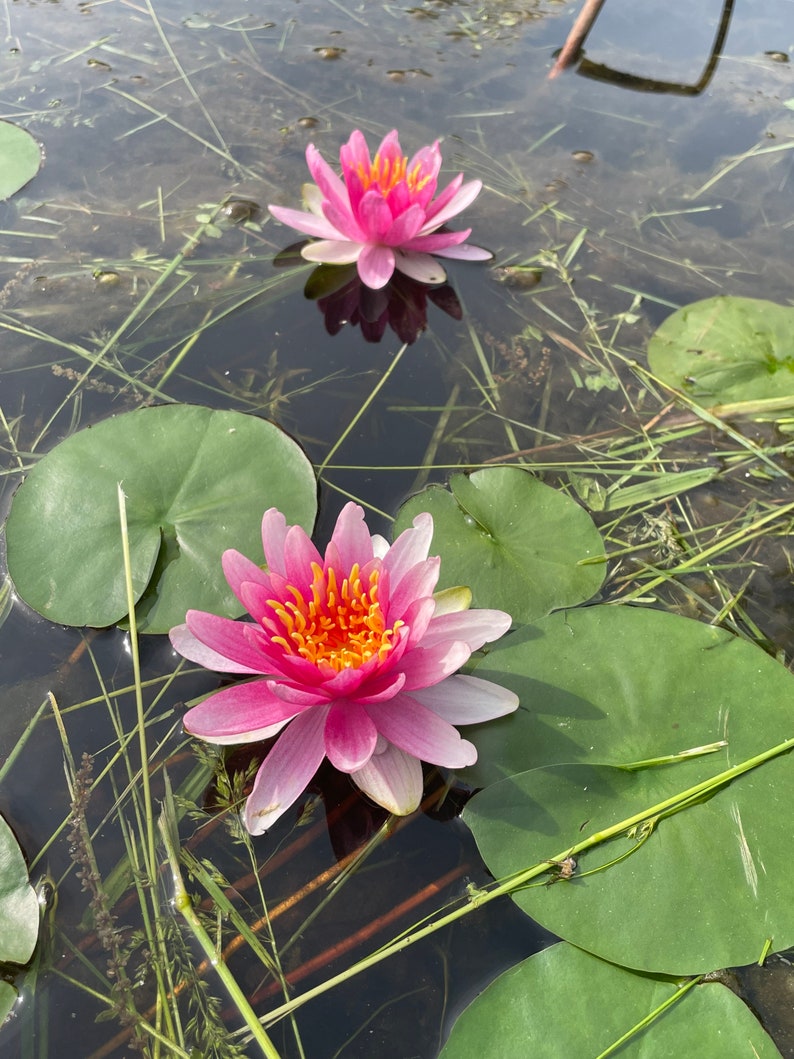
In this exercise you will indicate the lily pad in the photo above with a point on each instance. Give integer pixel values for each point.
(710, 884)
(8, 997)
(516, 542)
(727, 349)
(563, 1002)
(20, 159)
(19, 908)
(197, 481)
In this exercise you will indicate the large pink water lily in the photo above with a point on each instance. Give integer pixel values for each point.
(355, 659)
(382, 214)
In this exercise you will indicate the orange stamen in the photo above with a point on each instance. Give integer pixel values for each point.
(386, 173)
(341, 626)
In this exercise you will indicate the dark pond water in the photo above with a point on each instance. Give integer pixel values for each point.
(650, 174)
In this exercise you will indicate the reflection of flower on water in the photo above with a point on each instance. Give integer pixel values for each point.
(356, 661)
(401, 305)
(381, 214)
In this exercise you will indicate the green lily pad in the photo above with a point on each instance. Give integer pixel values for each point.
(197, 481)
(727, 349)
(20, 159)
(516, 542)
(19, 907)
(563, 1002)
(8, 997)
(623, 685)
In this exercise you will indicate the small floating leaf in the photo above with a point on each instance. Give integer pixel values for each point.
(516, 542)
(197, 482)
(20, 159)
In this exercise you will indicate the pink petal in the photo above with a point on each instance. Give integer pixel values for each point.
(350, 736)
(476, 627)
(389, 149)
(392, 779)
(227, 640)
(274, 534)
(422, 733)
(410, 548)
(435, 242)
(449, 192)
(417, 583)
(183, 641)
(421, 267)
(380, 688)
(344, 221)
(299, 554)
(428, 162)
(286, 771)
(376, 266)
(351, 539)
(467, 700)
(238, 569)
(243, 713)
(332, 252)
(355, 154)
(426, 666)
(417, 617)
(462, 198)
(374, 216)
(305, 222)
(404, 227)
(326, 179)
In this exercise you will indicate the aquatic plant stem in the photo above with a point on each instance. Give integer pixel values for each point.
(477, 899)
(650, 1017)
(375, 391)
(184, 905)
(149, 850)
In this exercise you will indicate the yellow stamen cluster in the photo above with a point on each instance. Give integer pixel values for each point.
(386, 173)
(340, 625)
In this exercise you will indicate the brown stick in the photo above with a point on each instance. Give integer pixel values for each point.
(575, 39)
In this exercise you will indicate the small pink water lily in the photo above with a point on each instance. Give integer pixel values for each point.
(382, 214)
(356, 660)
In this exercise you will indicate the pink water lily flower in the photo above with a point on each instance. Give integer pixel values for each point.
(355, 660)
(382, 214)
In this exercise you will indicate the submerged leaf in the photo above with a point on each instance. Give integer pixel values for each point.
(20, 159)
(727, 349)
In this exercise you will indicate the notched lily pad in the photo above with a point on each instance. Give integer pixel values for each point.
(20, 159)
(726, 349)
(564, 1002)
(516, 542)
(197, 481)
(608, 686)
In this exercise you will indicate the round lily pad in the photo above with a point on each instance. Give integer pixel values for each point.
(20, 159)
(516, 542)
(564, 1002)
(605, 688)
(727, 349)
(197, 482)
(19, 908)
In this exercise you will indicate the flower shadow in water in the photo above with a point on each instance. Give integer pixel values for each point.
(401, 305)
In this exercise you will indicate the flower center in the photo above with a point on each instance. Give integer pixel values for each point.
(340, 625)
(386, 173)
